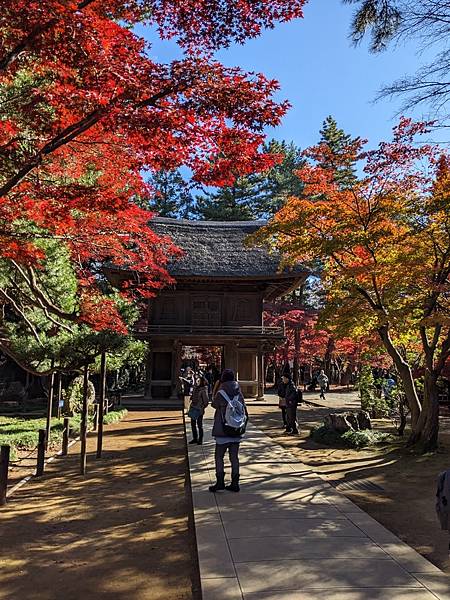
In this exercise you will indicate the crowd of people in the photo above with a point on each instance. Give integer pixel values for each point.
(203, 387)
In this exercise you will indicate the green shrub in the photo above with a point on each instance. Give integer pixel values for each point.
(323, 435)
(364, 438)
(73, 395)
(115, 416)
(349, 439)
(371, 400)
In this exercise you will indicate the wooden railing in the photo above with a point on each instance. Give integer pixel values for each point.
(251, 330)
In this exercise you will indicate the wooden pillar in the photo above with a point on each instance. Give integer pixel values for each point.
(176, 367)
(261, 376)
(84, 421)
(66, 434)
(101, 404)
(41, 452)
(149, 374)
(231, 357)
(4, 469)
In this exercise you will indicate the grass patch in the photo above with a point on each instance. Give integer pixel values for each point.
(349, 439)
(115, 416)
(23, 434)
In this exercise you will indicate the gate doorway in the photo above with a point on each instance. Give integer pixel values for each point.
(202, 358)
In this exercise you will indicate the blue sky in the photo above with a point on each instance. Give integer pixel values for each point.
(321, 73)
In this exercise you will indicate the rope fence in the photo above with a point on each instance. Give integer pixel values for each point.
(19, 460)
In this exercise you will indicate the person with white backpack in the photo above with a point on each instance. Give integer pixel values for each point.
(230, 421)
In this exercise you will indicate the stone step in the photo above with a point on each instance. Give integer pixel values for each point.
(141, 403)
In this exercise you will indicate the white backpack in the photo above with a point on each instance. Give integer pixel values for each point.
(235, 418)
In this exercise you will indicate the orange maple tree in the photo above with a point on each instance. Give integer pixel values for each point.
(383, 241)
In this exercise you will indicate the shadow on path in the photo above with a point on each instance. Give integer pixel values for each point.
(120, 533)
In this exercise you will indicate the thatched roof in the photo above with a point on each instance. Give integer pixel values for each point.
(216, 249)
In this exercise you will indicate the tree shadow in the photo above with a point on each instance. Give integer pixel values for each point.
(123, 531)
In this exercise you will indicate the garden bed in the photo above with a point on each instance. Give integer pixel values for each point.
(23, 434)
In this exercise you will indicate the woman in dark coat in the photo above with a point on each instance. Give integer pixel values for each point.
(199, 400)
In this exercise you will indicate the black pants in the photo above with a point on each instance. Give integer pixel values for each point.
(283, 415)
(291, 416)
(197, 423)
(322, 392)
(233, 451)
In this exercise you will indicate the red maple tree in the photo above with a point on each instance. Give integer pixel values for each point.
(86, 111)
(310, 347)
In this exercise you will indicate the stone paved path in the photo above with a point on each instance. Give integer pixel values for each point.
(289, 535)
(341, 400)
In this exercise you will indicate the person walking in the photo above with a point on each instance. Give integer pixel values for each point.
(322, 380)
(226, 437)
(188, 381)
(210, 379)
(199, 401)
(291, 398)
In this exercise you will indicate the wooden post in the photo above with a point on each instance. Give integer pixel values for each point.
(84, 415)
(59, 394)
(95, 421)
(49, 408)
(101, 404)
(41, 452)
(260, 372)
(4, 467)
(65, 440)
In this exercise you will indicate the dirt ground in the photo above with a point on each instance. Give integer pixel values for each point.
(405, 505)
(123, 532)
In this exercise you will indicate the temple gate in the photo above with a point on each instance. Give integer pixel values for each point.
(217, 300)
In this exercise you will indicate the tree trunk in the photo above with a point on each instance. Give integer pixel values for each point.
(404, 370)
(428, 434)
(295, 366)
(327, 359)
(402, 423)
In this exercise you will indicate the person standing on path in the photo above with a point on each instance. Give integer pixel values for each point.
(228, 390)
(282, 394)
(322, 380)
(292, 399)
(199, 401)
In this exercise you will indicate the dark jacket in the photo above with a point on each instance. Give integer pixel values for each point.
(291, 395)
(200, 398)
(282, 390)
(220, 404)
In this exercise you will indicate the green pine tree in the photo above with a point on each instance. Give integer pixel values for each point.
(171, 195)
(229, 203)
(255, 196)
(339, 142)
(281, 181)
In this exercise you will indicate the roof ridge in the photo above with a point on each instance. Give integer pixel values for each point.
(199, 223)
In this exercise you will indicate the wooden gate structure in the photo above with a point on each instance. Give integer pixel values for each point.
(217, 300)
